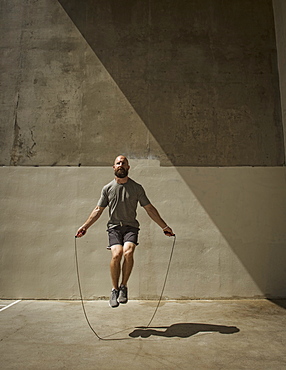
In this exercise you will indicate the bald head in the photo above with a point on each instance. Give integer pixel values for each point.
(121, 167)
(121, 158)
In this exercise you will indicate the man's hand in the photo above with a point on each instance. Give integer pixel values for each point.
(168, 231)
(81, 231)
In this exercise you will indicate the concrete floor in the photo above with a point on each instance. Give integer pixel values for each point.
(236, 334)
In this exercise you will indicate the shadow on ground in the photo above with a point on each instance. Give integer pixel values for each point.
(182, 330)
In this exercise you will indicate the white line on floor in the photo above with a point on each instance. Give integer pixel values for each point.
(11, 304)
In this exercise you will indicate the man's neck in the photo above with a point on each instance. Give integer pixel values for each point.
(121, 180)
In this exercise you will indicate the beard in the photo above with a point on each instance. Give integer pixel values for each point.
(121, 172)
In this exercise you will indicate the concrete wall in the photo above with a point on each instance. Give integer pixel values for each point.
(191, 83)
(229, 222)
(188, 90)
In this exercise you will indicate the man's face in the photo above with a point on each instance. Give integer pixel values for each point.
(121, 167)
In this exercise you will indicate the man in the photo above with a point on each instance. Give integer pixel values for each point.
(122, 195)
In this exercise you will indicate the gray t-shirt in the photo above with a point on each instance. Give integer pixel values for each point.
(122, 200)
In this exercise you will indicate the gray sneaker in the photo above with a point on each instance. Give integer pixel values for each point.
(123, 298)
(113, 302)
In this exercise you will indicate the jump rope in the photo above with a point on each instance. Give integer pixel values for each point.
(81, 296)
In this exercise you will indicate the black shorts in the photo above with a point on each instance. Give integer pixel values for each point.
(122, 234)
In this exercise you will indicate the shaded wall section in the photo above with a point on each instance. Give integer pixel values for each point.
(279, 7)
(199, 79)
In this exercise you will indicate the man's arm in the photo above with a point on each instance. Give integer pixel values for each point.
(154, 214)
(94, 216)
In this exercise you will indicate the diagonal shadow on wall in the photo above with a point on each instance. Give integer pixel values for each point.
(247, 206)
(202, 75)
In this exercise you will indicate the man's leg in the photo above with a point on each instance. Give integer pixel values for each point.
(115, 267)
(117, 252)
(128, 252)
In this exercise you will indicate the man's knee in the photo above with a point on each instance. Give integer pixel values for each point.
(117, 252)
(128, 250)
